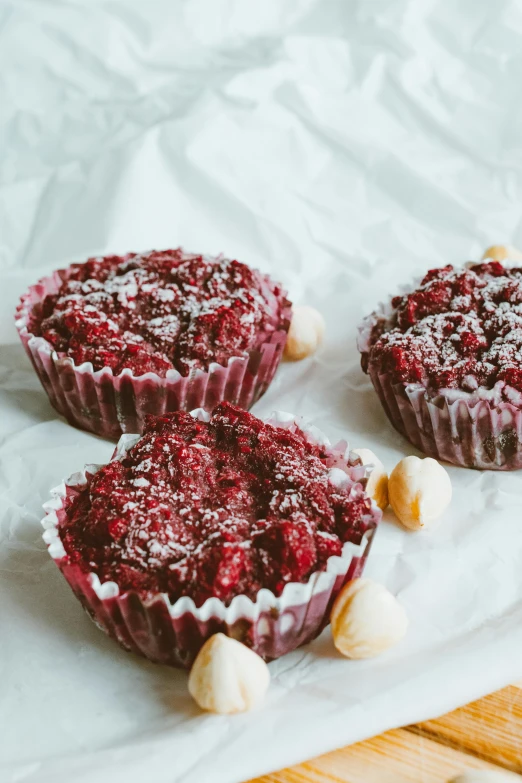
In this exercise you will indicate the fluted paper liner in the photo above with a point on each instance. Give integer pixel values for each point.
(109, 405)
(172, 633)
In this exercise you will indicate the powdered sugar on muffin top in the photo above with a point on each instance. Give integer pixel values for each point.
(214, 509)
(159, 311)
(461, 329)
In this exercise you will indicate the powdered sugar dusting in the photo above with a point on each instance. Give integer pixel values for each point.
(159, 311)
(218, 508)
(461, 329)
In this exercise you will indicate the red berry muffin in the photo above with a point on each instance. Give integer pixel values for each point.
(208, 523)
(446, 362)
(118, 337)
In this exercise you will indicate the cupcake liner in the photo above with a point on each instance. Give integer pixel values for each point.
(465, 430)
(173, 633)
(109, 405)
(478, 429)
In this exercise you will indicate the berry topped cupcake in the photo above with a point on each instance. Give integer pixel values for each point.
(446, 361)
(122, 336)
(222, 522)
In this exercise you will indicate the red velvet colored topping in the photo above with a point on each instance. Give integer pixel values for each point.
(159, 311)
(460, 329)
(213, 509)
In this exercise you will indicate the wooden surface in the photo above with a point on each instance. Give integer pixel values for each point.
(486, 734)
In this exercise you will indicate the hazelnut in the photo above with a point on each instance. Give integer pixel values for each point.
(305, 333)
(419, 491)
(501, 252)
(366, 619)
(377, 486)
(228, 677)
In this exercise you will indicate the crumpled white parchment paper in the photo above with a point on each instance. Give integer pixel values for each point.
(344, 147)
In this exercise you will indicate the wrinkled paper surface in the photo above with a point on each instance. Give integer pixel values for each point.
(344, 147)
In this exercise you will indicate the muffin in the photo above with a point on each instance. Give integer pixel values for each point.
(446, 362)
(119, 337)
(212, 523)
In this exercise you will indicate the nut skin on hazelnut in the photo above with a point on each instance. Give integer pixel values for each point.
(501, 252)
(228, 677)
(366, 619)
(419, 491)
(377, 485)
(305, 334)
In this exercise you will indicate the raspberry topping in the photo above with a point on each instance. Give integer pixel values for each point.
(159, 311)
(214, 509)
(461, 329)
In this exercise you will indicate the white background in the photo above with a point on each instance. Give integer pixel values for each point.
(345, 147)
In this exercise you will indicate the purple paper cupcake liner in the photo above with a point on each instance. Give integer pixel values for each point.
(479, 429)
(109, 405)
(173, 633)
(465, 430)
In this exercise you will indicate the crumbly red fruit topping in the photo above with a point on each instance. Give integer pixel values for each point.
(461, 329)
(159, 311)
(213, 509)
